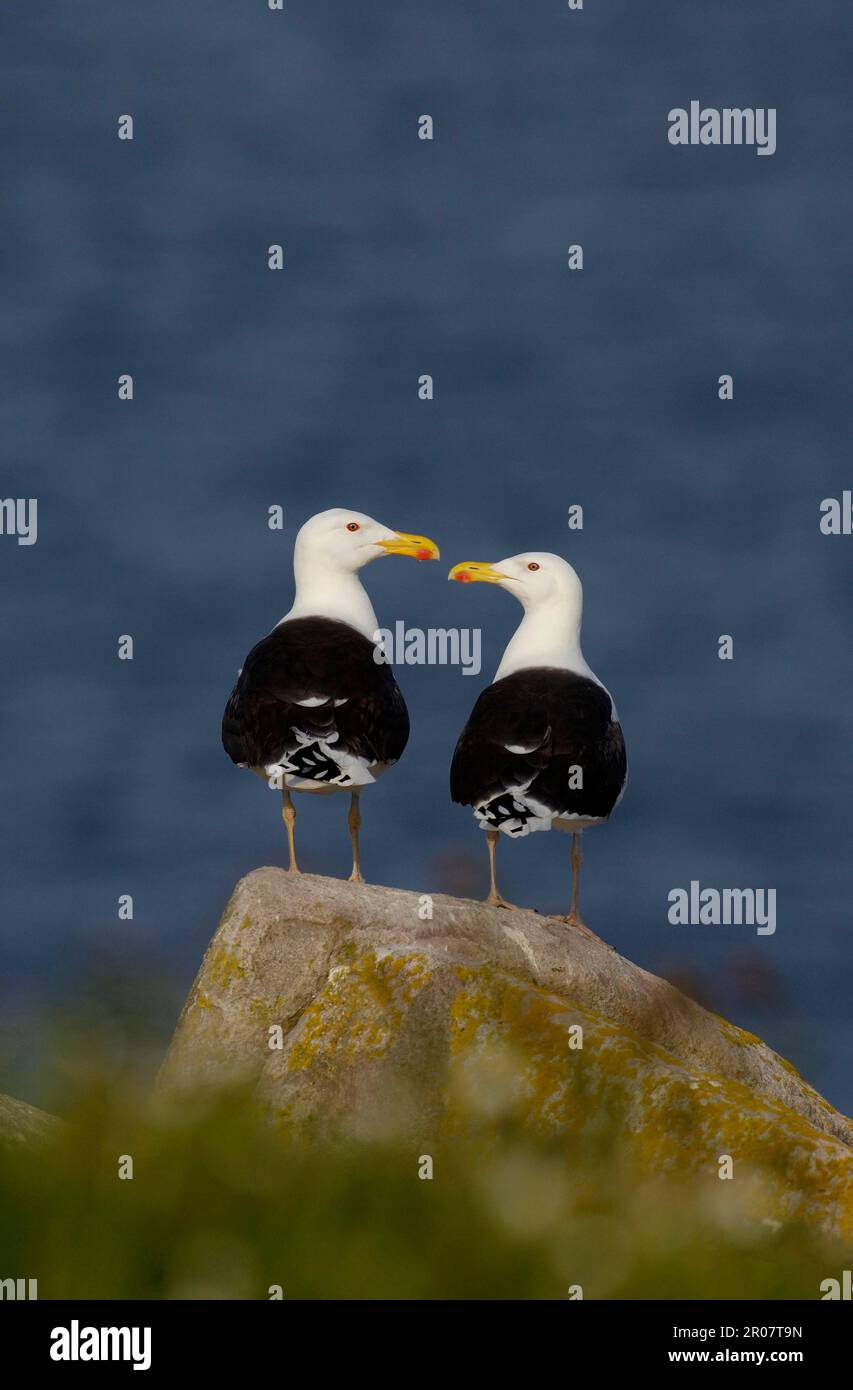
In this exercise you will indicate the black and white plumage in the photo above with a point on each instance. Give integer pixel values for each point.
(316, 708)
(312, 704)
(543, 746)
(515, 758)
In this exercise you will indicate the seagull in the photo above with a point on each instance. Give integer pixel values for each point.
(316, 707)
(543, 746)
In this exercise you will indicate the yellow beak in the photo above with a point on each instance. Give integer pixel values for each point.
(476, 572)
(420, 547)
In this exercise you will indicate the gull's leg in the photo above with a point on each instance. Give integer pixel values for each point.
(574, 918)
(354, 821)
(577, 859)
(288, 815)
(494, 898)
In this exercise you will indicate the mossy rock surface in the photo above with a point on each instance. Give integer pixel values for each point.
(390, 1024)
(21, 1123)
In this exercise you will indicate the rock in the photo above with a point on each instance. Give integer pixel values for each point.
(23, 1124)
(440, 1027)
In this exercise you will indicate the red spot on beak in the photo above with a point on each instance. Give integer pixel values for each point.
(464, 577)
(423, 554)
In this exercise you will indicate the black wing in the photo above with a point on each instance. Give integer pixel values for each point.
(355, 702)
(530, 730)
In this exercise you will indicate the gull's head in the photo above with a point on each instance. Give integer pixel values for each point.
(344, 541)
(536, 578)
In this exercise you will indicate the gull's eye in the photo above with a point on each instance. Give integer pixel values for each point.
(533, 565)
(353, 526)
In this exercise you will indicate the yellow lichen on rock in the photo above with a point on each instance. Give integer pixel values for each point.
(480, 1022)
(359, 1011)
(225, 968)
(667, 1117)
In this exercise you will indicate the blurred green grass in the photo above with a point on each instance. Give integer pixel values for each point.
(222, 1205)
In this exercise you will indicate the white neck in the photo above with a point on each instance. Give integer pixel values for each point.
(548, 635)
(337, 594)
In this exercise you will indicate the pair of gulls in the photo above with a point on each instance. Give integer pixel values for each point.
(314, 710)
